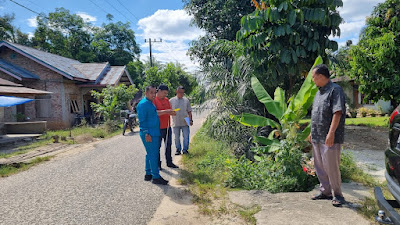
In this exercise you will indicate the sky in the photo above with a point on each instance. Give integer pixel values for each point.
(163, 19)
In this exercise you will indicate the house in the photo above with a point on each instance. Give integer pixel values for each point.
(69, 82)
(350, 88)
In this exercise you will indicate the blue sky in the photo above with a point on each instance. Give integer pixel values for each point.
(161, 19)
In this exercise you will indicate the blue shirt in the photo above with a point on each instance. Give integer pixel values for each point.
(149, 122)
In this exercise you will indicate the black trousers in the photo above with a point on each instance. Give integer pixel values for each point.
(166, 134)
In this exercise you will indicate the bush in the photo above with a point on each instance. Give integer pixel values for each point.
(363, 111)
(372, 112)
(111, 126)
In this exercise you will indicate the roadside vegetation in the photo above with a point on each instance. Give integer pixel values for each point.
(363, 121)
(7, 170)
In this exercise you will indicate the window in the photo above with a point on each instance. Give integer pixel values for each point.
(73, 105)
(43, 106)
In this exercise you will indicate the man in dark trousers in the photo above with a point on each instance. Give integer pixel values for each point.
(327, 134)
(149, 125)
(164, 113)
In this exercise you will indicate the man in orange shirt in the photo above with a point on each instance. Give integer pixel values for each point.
(164, 112)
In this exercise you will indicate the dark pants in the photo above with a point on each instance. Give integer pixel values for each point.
(166, 134)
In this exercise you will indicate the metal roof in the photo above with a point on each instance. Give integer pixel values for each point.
(4, 82)
(113, 76)
(92, 71)
(16, 70)
(10, 90)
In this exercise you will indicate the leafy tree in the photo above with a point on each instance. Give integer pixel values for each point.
(115, 43)
(64, 34)
(375, 59)
(283, 36)
(136, 71)
(10, 33)
(112, 99)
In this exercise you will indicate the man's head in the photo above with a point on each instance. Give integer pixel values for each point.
(162, 91)
(180, 92)
(150, 92)
(320, 75)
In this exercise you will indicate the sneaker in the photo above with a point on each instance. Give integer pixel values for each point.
(160, 181)
(177, 152)
(148, 177)
(185, 152)
(171, 165)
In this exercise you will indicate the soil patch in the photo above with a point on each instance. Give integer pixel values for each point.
(365, 138)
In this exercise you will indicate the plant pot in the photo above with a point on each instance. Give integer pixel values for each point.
(363, 114)
(353, 114)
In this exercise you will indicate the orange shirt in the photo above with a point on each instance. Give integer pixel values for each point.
(162, 104)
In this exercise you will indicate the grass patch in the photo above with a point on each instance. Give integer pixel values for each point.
(248, 214)
(350, 171)
(7, 170)
(363, 121)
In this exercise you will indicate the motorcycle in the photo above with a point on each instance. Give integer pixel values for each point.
(129, 120)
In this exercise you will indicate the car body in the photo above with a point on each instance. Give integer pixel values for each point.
(392, 173)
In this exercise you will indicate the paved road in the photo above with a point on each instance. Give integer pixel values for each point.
(98, 186)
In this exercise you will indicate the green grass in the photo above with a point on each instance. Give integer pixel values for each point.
(7, 170)
(363, 121)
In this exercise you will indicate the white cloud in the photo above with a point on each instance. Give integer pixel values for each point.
(354, 13)
(86, 17)
(32, 22)
(173, 27)
(30, 35)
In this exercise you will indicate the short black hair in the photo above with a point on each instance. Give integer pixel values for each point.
(163, 87)
(149, 87)
(322, 69)
(180, 88)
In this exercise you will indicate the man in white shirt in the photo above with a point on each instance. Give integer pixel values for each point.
(179, 123)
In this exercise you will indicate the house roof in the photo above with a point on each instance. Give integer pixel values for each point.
(99, 74)
(92, 71)
(16, 70)
(11, 88)
(54, 62)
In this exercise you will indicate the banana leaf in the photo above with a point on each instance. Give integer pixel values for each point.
(252, 120)
(273, 107)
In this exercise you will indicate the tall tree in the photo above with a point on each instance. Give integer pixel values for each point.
(9, 32)
(375, 59)
(115, 43)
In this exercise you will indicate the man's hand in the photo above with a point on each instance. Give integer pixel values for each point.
(309, 138)
(330, 139)
(172, 112)
(148, 138)
(191, 122)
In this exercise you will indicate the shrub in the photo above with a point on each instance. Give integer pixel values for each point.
(372, 112)
(363, 111)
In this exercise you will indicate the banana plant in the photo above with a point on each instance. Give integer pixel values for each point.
(288, 114)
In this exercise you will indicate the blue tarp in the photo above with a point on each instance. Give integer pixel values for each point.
(6, 101)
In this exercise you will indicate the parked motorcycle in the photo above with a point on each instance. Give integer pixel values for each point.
(129, 120)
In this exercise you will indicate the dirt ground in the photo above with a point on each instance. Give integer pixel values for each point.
(361, 138)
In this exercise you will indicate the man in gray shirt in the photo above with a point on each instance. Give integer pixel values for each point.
(182, 120)
(327, 134)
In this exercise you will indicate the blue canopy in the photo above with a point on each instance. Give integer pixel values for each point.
(6, 101)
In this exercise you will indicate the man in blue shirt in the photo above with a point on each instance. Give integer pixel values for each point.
(149, 125)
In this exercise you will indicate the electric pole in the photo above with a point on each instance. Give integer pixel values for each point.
(154, 41)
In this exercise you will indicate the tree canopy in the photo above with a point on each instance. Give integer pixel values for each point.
(375, 60)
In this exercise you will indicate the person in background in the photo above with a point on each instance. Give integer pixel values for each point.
(327, 134)
(149, 125)
(164, 113)
(181, 120)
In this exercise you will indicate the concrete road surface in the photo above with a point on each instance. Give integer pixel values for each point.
(103, 185)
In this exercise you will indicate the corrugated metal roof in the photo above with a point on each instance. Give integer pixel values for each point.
(16, 70)
(58, 63)
(91, 71)
(4, 82)
(7, 90)
(112, 77)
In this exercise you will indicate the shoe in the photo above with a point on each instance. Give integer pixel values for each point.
(185, 152)
(148, 177)
(321, 196)
(171, 165)
(160, 181)
(177, 152)
(159, 166)
(338, 201)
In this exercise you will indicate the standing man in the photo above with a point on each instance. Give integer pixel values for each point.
(149, 125)
(164, 111)
(327, 134)
(179, 121)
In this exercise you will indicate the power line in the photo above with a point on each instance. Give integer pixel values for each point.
(25, 7)
(99, 7)
(119, 11)
(128, 10)
(38, 6)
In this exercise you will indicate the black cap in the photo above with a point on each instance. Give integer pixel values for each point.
(163, 87)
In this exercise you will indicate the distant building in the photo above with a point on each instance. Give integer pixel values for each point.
(63, 85)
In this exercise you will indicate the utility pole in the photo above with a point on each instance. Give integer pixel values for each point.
(154, 41)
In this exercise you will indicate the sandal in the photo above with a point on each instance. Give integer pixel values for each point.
(338, 201)
(321, 196)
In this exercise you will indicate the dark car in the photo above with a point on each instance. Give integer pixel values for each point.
(387, 214)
